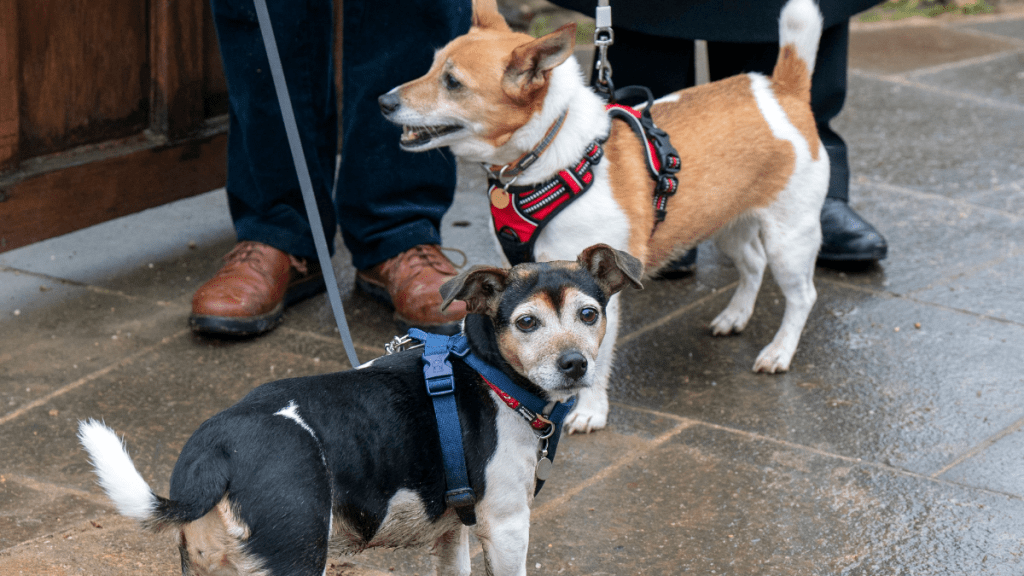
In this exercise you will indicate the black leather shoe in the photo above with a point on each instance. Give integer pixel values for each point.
(846, 237)
(681, 267)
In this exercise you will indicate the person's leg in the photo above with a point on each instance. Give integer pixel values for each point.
(267, 270)
(845, 235)
(390, 202)
(263, 189)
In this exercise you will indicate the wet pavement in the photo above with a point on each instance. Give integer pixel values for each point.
(895, 445)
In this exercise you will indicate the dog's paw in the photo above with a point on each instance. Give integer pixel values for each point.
(729, 322)
(773, 359)
(585, 421)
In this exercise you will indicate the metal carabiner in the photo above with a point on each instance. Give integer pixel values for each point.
(501, 175)
(398, 344)
(603, 38)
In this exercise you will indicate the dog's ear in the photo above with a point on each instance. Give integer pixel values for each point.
(480, 288)
(486, 15)
(530, 64)
(613, 269)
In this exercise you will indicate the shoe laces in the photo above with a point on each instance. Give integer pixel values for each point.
(252, 253)
(428, 255)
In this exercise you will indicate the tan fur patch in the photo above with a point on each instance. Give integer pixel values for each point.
(631, 184)
(732, 162)
(478, 60)
(791, 83)
(214, 544)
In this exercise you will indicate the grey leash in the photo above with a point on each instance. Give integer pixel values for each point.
(305, 184)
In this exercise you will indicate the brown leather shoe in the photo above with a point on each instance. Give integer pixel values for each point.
(411, 282)
(248, 295)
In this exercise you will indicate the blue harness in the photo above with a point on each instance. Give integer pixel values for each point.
(545, 417)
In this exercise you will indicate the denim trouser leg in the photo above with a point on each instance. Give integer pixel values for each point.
(263, 190)
(388, 200)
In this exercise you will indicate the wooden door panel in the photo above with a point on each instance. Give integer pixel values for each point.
(9, 120)
(84, 72)
(215, 86)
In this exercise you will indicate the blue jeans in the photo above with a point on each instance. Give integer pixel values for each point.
(386, 200)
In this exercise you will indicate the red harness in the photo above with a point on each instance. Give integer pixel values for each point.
(519, 213)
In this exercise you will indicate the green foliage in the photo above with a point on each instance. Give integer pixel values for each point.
(900, 9)
(542, 24)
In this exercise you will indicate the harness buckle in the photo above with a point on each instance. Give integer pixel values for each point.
(437, 371)
(440, 386)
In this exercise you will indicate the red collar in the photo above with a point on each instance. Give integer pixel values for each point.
(536, 421)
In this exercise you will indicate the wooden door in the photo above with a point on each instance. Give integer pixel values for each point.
(107, 107)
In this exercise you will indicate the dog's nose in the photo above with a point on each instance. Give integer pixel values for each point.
(389, 103)
(572, 364)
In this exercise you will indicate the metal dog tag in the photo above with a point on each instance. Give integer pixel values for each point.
(543, 468)
(499, 198)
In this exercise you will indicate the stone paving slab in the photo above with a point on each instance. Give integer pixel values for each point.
(998, 467)
(1008, 28)
(881, 452)
(999, 78)
(715, 501)
(892, 50)
(934, 142)
(857, 387)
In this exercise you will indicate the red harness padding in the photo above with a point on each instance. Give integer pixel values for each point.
(519, 213)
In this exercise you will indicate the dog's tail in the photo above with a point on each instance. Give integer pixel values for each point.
(126, 487)
(800, 26)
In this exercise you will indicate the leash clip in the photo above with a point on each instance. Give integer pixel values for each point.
(399, 344)
(548, 430)
(604, 37)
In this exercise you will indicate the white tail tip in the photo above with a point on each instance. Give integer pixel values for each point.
(800, 24)
(117, 475)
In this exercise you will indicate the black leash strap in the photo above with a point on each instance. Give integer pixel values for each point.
(305, 184)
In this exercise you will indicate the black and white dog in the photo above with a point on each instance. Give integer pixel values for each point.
(312, 467)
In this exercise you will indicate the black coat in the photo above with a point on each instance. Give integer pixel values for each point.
(715, 20)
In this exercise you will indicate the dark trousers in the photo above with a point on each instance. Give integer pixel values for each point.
(666, 65)
(386, 200)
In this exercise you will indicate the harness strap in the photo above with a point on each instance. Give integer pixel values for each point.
(662, 158)
(437, 371)
(553, 412)
(519, 213)
(546, 418)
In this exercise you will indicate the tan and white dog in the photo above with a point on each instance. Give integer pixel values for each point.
(754, 171)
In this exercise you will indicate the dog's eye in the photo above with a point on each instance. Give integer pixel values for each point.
(450, 82)
(526, 323)
(588, 315)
